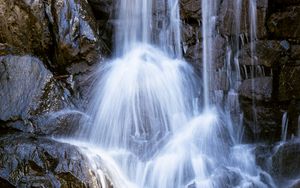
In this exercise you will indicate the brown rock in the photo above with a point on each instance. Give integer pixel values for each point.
(24, 26)
(289, 79)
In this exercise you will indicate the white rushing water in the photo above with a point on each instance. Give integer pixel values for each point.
(284, 126)
(145, 128)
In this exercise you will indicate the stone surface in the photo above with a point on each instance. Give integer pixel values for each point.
(30, 161)
(267, 53)
(76, 32)
(261, 120)
(190, 9)
(285, 24)
(289, 79)
(257, 88)
(286, 161)
(29, 95)
(24, 25)
(23, 79)
(228, 15)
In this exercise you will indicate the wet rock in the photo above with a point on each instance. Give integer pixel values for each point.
(289, 79)
(29, 93)
(23, 79)
(262, 155)
(262, 120)
(76, 33)
(284, 24)
(190, 9)
(285, 163)
(24, 26)
(105, 14)
(267, 53)
(103, 9)
(257, 88)
(29, 161)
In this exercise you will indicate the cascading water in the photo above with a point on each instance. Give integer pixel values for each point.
(144, 124)
(253, 37)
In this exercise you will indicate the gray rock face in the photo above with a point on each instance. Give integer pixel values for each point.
(22, 81)
(29, 161)
(258, 88)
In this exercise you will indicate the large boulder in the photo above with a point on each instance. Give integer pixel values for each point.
(30, 161)
(29, 94)
(23, 79)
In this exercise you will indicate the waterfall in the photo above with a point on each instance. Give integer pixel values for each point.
(284, 126)
(138, 24)
(208, 31)
(144, 128)
(253, 37)
(298, 131)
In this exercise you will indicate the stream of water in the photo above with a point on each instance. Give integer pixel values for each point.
(145, 124)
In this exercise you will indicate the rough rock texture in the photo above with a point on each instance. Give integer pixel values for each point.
(76, 32)
(23, 79)
(28, 93)
(63, 32)
(284, 24)
(24, 26)
(258, 88)
(29, 161)
(285, 164)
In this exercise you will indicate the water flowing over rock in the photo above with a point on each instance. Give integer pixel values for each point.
(30, 161)
(145, 115)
